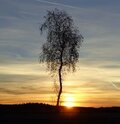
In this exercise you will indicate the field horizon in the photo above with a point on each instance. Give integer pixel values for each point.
(47, 104)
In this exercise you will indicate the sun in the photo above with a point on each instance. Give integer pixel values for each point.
(68, 104)
(69, 101)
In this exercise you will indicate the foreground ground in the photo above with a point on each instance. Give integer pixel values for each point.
(46, 114)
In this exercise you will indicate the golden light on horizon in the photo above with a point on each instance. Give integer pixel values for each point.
(69, 101)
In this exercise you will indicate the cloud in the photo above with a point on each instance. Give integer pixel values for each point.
(57, 4)
(25, 90)
(116, 85)
(19, 78)
(112, 66)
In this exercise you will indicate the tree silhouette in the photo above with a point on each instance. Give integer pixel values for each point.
(60, 52)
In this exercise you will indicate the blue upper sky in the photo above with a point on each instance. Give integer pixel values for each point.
(20, 39)
(98, 20)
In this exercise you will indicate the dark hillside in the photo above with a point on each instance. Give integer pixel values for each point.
(42, 113)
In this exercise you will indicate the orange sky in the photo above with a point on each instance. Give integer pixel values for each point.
(89, 86)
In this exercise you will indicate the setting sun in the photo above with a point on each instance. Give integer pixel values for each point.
(69, 101)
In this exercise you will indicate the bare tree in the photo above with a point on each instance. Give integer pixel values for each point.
(60, 52)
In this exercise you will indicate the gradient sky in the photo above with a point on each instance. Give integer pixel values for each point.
(23, 79)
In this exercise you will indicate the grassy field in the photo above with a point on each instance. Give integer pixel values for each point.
(46, 114)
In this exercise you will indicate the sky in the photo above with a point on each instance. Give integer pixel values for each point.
(97, 80)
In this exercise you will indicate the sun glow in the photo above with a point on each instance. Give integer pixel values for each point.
(69, 102)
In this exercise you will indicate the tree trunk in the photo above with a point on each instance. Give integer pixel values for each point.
(60, 89)
(60, 76)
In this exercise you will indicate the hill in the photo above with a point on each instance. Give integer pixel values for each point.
(46, 114)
